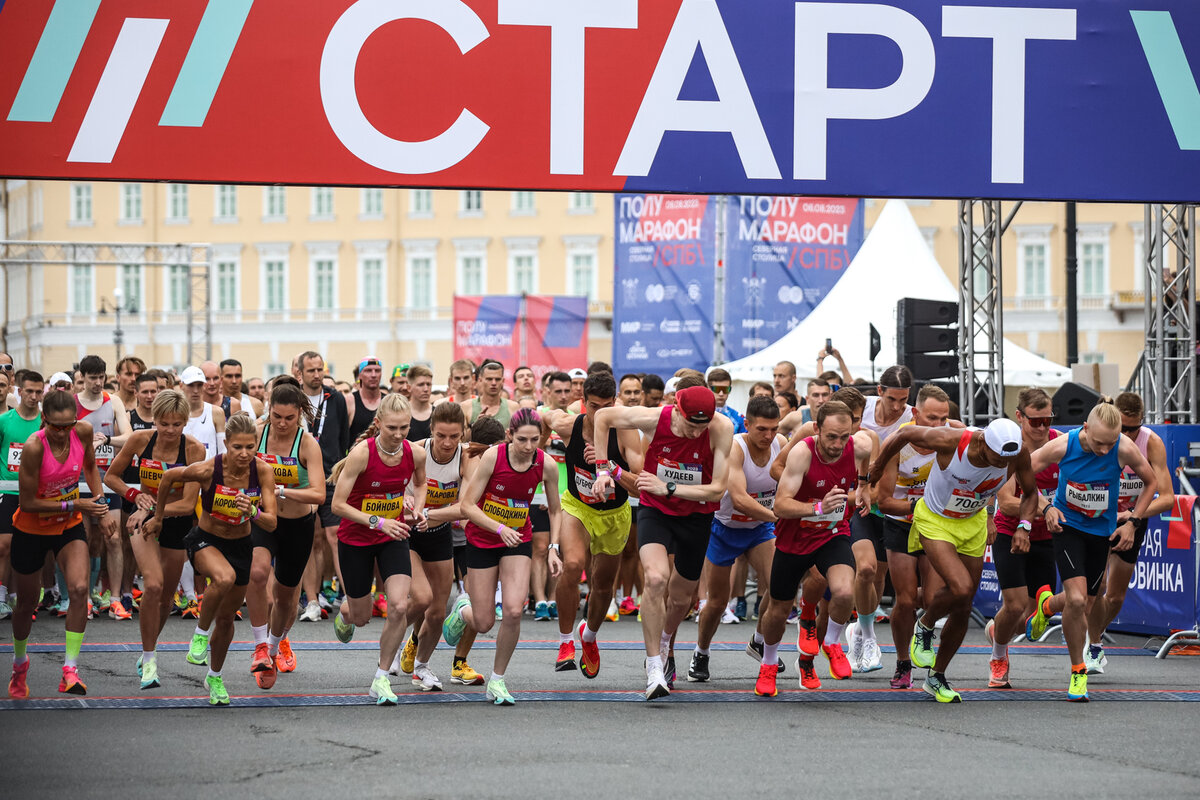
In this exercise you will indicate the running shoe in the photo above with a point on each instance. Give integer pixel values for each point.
(1094, 659)
(285, 659)
(902, 678)
(342, 629)
(178, 603)
(755, 650)
(61, 608)
(698, 669)
(628, 607)
(500, 611)
(379, 608)
(5, 610)
(1035, 626)
(1077, 689)
(463, 674)
(566, 657)
(872, 658)
(656, 683)
(454, 624)
(217, 695)
(311, 613)
(191, 611)
(937, 686)
(729, 618)
(669, 672)
(149, 674)
(808, 674)
(261, 660)
(882, 618)
(198, 650)
(70, 683)
(998, 674)
(425, 680)
(614, 613)
(139, 666)
(498, 694)
(541, 612)
(989, 632)
(408, 656)
(807, 642)
(102, 601)
(765, 685)
(793, 616)
(553, 609)
(854, 638)
(839, 666)
(921, 650)
(739, 608)
(18, 687)
(324, 603)
(381, 692)
(589, 660)
(266, 678)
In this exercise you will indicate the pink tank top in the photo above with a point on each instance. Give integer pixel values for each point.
(506, 499)
(682, 461)
(378, 491)
(58, 481)
(1131, 484)
(803, 535)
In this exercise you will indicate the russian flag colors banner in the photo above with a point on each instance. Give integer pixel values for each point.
(541, 332)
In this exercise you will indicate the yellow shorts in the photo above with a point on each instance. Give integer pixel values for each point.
(607, 530)
(969, 536)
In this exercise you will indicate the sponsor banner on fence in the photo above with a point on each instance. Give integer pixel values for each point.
(1162, 590)
(783, 255)
(664, 275)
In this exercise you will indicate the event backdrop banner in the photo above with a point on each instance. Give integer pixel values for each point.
(555, 333)
(488, 327)
(1040, 99)
(783, 255)
(543, 332)
(664, 274)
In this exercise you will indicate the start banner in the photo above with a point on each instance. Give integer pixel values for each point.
(1040, 99)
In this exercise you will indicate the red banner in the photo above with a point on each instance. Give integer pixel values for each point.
(549, 334)
(555, 334)
(488, 327)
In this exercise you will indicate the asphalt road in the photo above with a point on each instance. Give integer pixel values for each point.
(571, 736)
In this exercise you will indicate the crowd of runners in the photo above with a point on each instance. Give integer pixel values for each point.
(580, 498)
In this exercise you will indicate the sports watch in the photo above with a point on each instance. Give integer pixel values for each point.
(671, 487)
(373, 522)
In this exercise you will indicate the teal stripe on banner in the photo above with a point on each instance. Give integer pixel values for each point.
(53, 61)
(1172, 74)
(206, 61)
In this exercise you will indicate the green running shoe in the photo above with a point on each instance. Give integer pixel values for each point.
(939, 687)
(342, 629)
(381, 691)
(454, 624)
(198, 652)
(923, 652)
(1077, 689)
(1035, 626)
(497, 692)
(139, 666)
(149, 673)
(217, 696)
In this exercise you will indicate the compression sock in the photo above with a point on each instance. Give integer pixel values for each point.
(74, 643)
(260, 634)
(19, 656)
(770, 654)
(834, 632)
(866, 624)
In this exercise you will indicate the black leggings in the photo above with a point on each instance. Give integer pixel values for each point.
(358, 562)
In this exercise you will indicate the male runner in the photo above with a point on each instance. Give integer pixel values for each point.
(420, 389)
(785, 377)
(721, 383)
(629, 391)
(523, 383)
(462, 381)
(629, 579)
(490, 401)
(129, 369)
(214, 390)
(578, 376)
(365, 399)
(558, 397)
(816, 394)
(231, 387)
(257, 389)
(399, 384)
(653, 389)
(140, 417)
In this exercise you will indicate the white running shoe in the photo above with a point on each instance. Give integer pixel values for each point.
(394, 669)
(656, 683)
(729, 618)
(425, 680)
(854, 642)
(311, 613)
(872, 657)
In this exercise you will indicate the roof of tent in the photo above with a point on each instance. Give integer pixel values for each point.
(894, 262)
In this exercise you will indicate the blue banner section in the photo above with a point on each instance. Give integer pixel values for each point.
(665, 273)
(783, 255)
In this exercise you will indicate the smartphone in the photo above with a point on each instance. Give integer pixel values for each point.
(829, 346)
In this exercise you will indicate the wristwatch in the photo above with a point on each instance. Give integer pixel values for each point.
(671, 487)
(1026, 525)
(373, 522)
(554, 546)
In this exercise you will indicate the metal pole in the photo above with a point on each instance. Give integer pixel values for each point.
(1072, 288)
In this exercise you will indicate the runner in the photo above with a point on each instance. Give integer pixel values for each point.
(374, 532)
(257, 389)
(16, 426)
(744, 525)
(136, 475)
(1024, 558)
(231, 388)
(49, 519)
(214, 393)
(365, 399)
(206, 423)
(129, 369)
(1083, 521)
(688, 451)
(577, 376)
(141, 415)
(523, 383)
(420, 385)
(653, 389)
(814, 506)
(490, 401)
(462, 382)
(400, 384)
(271, 597)
(950, 525)
(235, 489)
(902, 485)
(785, 377)
(1121, 562)
(595, 527)
(542, 587)
(432, 550)
(496, 502)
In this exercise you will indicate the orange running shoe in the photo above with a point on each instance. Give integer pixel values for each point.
(261, 661)
(808, 674)
(18, 689)
(266, 677)
(998, 674)
(589, 662)
(839, 665)
(285, 660)
(628, 607)
(765, 686)
(117, 610)
(566, 657)
(71, 684)
(807, 641)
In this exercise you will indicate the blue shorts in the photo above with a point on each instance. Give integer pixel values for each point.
(726, 544)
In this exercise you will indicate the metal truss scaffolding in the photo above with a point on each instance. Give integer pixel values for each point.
(1168, 378)
(191, 264)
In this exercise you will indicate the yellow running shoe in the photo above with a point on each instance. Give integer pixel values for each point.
(463, 674)
(408, 656)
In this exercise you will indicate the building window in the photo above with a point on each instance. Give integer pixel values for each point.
(523, 203)
(81, 203)
(582, 203)
(420, 202)
(324, 284)
(275, 285)
(524, 273)
(131, 202)
(581, 275)
(322, 202)
(470, 274)
(227, 286)
(1093, 357)
(131, 288)
(178, 291)
(1093, 263)
(82, 289)
(226, 206)
(275, 203)
(1033, 270)
(177, 202)
(470, 203)
(273, 368)
(371, 203)
(37, 213)
(420, 282)
(371, 282)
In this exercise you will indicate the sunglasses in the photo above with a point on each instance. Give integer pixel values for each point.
(720, 389)
(1040, 422)
(1131, 428)
(61, 428)
(6, 367)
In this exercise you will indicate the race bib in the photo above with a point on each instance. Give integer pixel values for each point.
(60, 496)
(104, 456)
(1088, 499)
(286, 469)
(513, 513)
(1131, 487)
(389, 505)
(150, 475)
(584, 481)
(964, 503)
(765, 499)
(14, 456)
(825, 521)
(224, 504)
(440, 495)
(681, 474)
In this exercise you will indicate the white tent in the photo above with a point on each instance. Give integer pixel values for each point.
(893, 262)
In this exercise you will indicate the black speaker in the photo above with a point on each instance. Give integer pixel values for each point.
(912, 311)
(930, 340)
(927, 337)
(1072, 403)
(932, 365)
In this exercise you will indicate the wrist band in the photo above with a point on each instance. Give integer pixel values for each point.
(617, 472)
(63, 505)
(132, 495)
(604, 471)
(864, 478)
(254, 512)
(817, 509)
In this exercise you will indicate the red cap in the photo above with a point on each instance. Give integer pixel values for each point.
(697, 403)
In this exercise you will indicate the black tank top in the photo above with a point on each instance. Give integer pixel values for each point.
(139, 424)
(208, 493)
(420, 429)
(579, 471)
(132, 474)
(363, 417)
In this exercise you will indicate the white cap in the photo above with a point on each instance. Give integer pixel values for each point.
(670, 385)
(192, 375)
(59, 377)
(577, 374)
(1003, 437)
